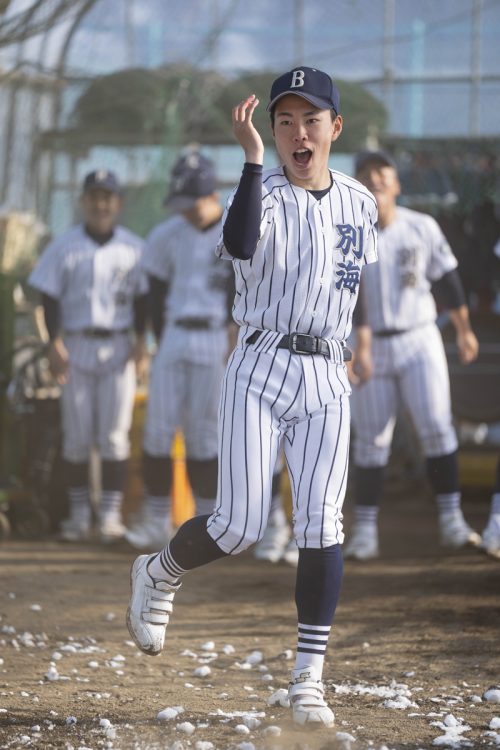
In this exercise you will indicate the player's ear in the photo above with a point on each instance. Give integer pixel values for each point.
(336, 127)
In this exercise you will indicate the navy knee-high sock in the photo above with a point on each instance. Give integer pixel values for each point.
(317, 590)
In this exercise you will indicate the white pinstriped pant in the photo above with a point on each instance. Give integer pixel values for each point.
(97, 410)
(410, 368)
(301, 401)
(184, 392)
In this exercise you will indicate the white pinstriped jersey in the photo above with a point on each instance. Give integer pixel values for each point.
(304, 275)
(94, 284)
(413, 253)
(179, 253)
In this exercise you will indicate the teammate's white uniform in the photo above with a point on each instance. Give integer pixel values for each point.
(408, 354)
(95, 286)
(189, 366)
(303, 278)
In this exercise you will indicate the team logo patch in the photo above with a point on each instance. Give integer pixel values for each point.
(349, 275)
(350, 239)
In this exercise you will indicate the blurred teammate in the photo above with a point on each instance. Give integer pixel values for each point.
(298, 237)
(400, 357)
(94, 299)
(191, 294)
(490, 540)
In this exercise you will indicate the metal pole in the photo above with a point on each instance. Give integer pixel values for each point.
(298, 47)
(475, 65)
(388, 51)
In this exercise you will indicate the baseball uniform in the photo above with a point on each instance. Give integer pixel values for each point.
(298, 237)
(95, 285)
(409, 362)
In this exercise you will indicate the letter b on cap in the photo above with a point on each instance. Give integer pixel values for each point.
(297, 79)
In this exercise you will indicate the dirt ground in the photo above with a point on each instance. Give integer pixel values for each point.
(415, 646)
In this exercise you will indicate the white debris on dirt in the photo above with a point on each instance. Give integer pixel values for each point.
(396, 694)
(202, 671)
(453, 729)
(492, 695)
(279, 698)
(251, 721)
(495, 723)
(51, 675)
(228, 649)
(272, 731)
(254, 658)
(345, 739)
(167, 714)
(186, 728)
(208, 646)
(241, 729)
(400, 702)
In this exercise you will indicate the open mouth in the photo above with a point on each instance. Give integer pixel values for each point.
(302, 156)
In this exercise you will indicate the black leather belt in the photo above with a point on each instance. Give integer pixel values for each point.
(193, 324)
(302, 343)
(97, 333)
(389, 332)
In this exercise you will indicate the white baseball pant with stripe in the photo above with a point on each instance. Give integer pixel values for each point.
(268, 398)
(410, 368)
(184, 391)
(97, 402)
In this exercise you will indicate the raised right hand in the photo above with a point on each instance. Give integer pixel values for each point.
(247, 135)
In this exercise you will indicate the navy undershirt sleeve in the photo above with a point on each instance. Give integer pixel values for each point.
(52, 315)
(449, 290)
(242, 224)
(158, 290)
(140, 313)
(360, 314)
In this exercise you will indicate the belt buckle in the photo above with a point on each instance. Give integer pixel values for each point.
(303, 343)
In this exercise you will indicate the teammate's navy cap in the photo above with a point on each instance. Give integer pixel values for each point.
(193, 176)
(309, 83)
(374, 157)
(102, 179)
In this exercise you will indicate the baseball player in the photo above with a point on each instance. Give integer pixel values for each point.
(94, 297)
(191, 296)
(298, 237)
(490, 540)
(408, 361)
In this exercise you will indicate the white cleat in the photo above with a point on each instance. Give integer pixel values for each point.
(74, 530)
(149, 608)
(490, 541)
(111, 528)
(363, 544)
(272, 545)
(291, 553)
(306, 694)
(149, 533)
(455, 531)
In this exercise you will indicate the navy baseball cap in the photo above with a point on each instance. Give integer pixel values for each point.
(381, 158)
(192, 177)
(309, 83)
(102, 179)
